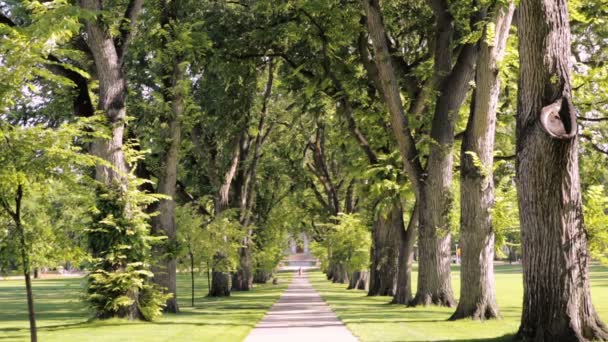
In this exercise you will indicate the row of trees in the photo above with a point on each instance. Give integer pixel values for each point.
(203, 132)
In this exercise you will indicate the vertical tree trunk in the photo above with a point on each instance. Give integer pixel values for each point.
(433, 189)
(354, 279)
(403, 292)
(220, 283)
(109, 56)
(358, 280)
(165, 271)
(261, 277)
(25, 261)
(385, 251)
(477, 298)
(434, 282)
(191, 276)
(220, 280)
(242, 279)
(557, 301)
(340, 274)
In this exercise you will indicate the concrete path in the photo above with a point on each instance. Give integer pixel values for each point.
(300, 315)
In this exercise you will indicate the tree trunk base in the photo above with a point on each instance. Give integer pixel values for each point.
(340, 275)
(358, 281)
(241, 281)
(220, 285)
(594, 330)
(132, 311)
(261, 277)
(439, 299)
(171, 306)
(481, 311)
(402, 297)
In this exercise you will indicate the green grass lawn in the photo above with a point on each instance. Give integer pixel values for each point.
(372, 319)
(62, 316)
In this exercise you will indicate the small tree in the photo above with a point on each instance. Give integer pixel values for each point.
(201, 237)
(30, 157)
(346, 246)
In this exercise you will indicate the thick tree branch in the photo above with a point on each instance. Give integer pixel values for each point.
(128, 27)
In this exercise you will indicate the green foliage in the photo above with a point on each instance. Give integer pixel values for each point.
(47, 167)
(24, 50)
(205, 236)
(120, 240)
(596, 221)
(347, 243)
(505, 217)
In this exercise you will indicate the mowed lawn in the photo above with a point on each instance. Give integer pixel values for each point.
(372, 319)
(62, 315)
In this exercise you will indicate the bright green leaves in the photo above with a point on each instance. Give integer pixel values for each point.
(25, 49)
(119, 237)
(596, 220)
(204, 236)
(347, 243)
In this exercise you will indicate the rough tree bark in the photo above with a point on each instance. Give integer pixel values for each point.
(108, 54)
(220, 279)
(433, 187)
(435, 200)
(402, 292)
(557, 301)
(386, 235)
(358, 280)
(403, 288)
(477, 297)
(164, 222)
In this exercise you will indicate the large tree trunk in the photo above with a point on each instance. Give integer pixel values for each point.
(358, 280)
(434, 282)
(435, 197)
(261, 277)
(340, 274)
(385, 251)
(557, 301)
(109, 57)
(165, 272)
(242, 279)
(477, 298)
(403, 291)
(433, 189)
(220, 284)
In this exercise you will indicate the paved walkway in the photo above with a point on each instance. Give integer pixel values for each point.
(300, 315)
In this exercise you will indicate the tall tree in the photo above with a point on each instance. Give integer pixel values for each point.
(109, 52)
(477, 298)
(175, 91)
(108, 47)
(453, 69)
(242, 279)
(557, 301)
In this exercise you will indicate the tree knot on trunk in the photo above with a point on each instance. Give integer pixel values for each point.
(558, 119)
